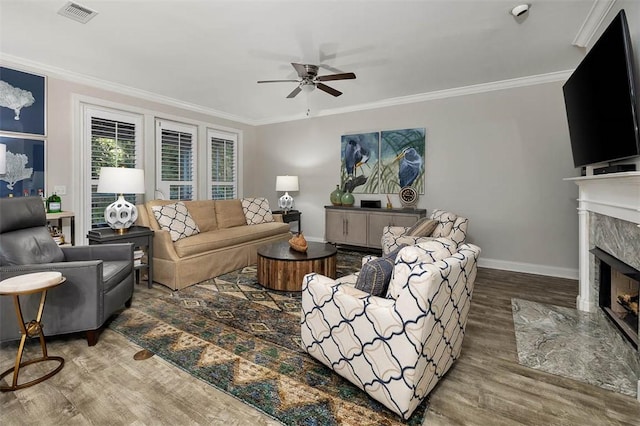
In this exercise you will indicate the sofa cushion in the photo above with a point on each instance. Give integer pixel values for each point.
(256, 210)
(203, 213)
(375, 275)
(226, 237)
(176, 219)
(411, 256)
(423, 228)
(229, 213)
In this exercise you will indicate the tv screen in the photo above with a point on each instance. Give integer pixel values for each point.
(600, 100)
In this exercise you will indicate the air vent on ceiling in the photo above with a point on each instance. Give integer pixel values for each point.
(77, 13)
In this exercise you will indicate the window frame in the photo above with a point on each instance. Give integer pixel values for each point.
(89, 111)
(161, 186)
(234, 138)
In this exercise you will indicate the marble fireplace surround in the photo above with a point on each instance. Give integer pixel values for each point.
(609, 218)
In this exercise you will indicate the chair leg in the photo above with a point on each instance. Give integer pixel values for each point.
(92, 337)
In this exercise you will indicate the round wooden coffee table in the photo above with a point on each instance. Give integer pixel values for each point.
(282, 268)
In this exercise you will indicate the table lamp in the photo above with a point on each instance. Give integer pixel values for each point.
(121, 214)
(286, 184)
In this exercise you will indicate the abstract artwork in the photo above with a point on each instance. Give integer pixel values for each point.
(22, 102)
(360, 154)
(25, 167)
(402, 160)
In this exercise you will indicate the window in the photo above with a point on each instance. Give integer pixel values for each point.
(176, 144)
(223, 156)
(114, 140)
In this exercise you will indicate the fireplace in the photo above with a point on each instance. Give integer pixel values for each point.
(618, 295)
(608, 218)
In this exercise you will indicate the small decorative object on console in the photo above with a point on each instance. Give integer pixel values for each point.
(408, 197)
(336, 196)
(54, 204)
(347, 199)
(298, 243)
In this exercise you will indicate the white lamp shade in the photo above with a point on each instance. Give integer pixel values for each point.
(287, 183)
(3, 159)
(120, 180)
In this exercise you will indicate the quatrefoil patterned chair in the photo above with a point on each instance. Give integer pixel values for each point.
(396, 348)
(450, 226)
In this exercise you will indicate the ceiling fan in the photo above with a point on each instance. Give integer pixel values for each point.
(309, 80)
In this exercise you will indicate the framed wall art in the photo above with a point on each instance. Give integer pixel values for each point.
(22, 102)
(402, 160)
(359, 162)
(25, 173)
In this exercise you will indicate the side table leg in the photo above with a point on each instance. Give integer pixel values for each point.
(32, 329)
(23, 339)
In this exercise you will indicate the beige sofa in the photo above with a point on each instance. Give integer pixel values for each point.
(225, 241)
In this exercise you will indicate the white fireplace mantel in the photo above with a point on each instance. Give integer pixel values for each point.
(616, 195)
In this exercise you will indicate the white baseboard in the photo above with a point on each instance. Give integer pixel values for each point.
(506, 265)
(529, 268)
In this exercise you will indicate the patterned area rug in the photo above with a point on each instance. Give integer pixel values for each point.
(245, 340)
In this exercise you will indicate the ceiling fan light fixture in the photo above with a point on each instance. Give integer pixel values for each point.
(308, 88)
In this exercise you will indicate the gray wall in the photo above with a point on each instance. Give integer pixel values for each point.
(498, 158)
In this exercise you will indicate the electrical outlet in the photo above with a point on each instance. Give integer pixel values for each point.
(60, 189)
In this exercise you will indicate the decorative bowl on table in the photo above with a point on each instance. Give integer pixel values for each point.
(298, 243)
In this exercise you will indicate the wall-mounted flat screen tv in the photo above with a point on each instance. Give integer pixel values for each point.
(600, 100)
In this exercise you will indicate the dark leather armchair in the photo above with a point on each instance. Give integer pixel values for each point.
(99, 278)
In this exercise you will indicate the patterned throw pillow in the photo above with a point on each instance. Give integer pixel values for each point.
(423, 228)
(375, 275)
(256, 210)
(176, 219)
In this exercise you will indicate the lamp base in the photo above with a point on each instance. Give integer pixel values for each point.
(285, 202)
(120, 215)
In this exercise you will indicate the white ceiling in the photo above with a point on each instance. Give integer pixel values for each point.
(211, 53)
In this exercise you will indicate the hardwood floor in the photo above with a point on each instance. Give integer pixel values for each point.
(103, 385)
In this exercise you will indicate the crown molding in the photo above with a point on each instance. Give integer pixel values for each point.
(592, 22)
(430, 96)
(62, 74)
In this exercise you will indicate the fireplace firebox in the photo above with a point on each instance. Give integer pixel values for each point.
(619, 290)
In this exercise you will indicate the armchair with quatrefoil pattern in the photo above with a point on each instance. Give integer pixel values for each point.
(396, 348)
(450, 226)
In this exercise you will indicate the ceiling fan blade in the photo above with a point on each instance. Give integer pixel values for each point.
(278, 81)
(329, 90)
(300, 69)
(341, 76)
(294, 93)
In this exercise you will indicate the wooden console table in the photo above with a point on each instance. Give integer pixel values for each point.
(363, 227)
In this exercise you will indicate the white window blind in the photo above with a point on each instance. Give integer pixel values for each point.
(176, 144)
(223, 159)
(115, 141)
